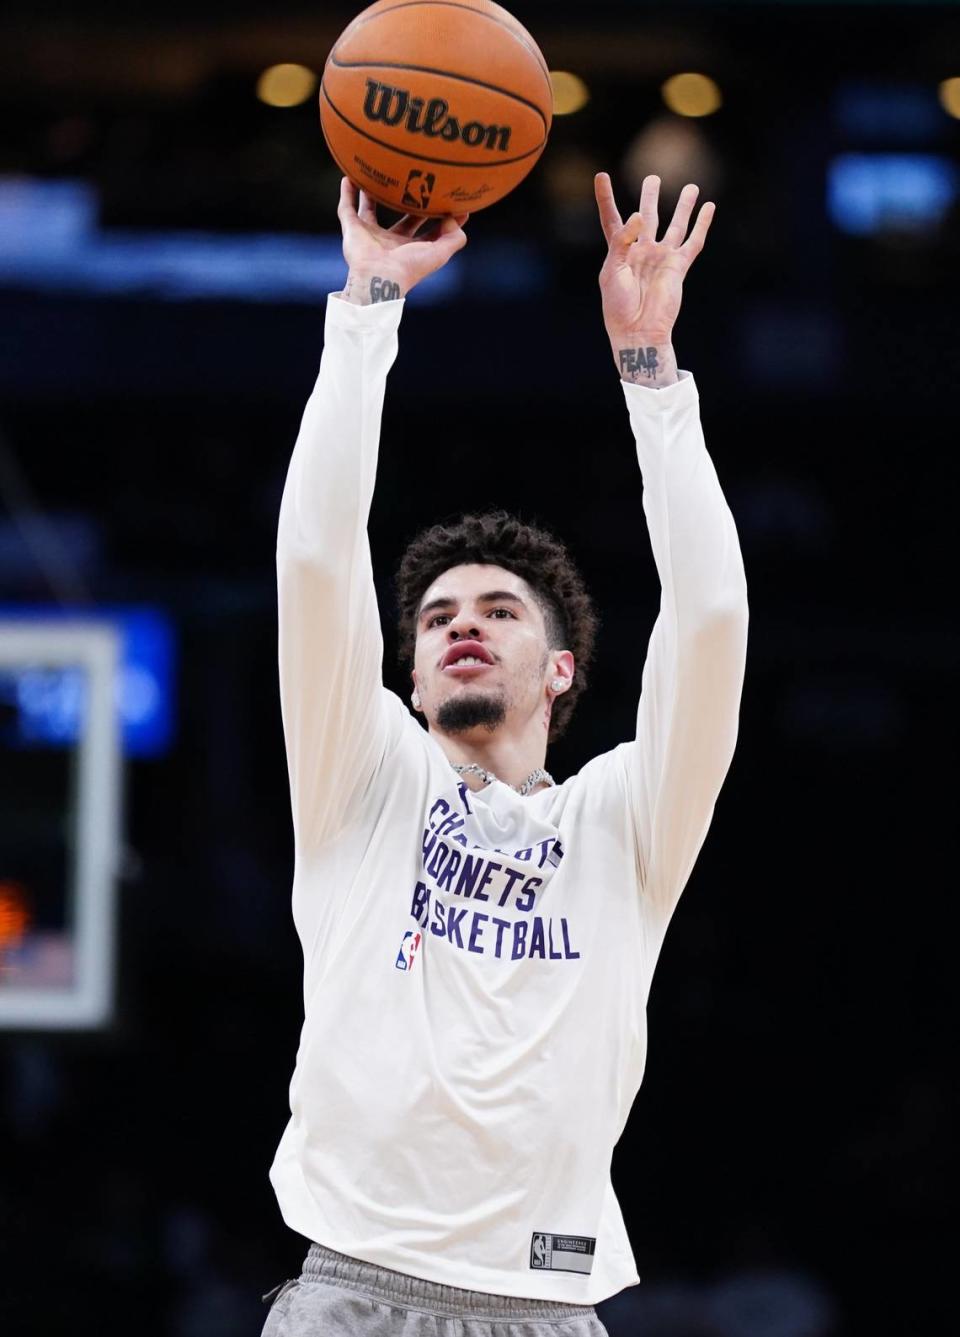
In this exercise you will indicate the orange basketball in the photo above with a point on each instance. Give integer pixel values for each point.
(436, 106)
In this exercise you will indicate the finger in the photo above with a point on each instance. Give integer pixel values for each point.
(633, 229)
(649, 194)
(449, 239)
(347, 208)
(428, 229)
(677, 230)
(698, 233)
(407, 225)
(367, 210)
(610, 219)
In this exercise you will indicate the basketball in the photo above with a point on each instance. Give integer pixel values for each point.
(434, 107)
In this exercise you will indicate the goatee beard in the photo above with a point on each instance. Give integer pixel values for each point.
(464, 713)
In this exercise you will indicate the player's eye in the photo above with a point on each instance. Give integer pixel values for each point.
(494, 612)
(438, 620)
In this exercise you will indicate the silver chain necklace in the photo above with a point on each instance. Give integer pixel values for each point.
(534, 778)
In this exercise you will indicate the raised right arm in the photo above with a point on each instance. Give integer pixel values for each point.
(334, 708)
(331, 647)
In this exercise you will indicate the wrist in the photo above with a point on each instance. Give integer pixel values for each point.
(645, 359)
(368, 285)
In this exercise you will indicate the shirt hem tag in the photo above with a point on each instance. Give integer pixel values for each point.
(562, 1253)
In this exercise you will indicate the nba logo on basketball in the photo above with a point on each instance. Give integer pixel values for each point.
(408, 950)
(419, 188)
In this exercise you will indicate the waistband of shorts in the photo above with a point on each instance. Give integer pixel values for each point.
(382, 1283)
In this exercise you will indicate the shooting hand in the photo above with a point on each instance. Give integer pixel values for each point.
(385, 263)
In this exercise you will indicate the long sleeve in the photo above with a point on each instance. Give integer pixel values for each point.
(335, 712)
(693, 673)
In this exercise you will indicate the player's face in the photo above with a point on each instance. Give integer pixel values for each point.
(481, 649)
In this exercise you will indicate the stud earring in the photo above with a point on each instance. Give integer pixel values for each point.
(416, 700)
(558, 685)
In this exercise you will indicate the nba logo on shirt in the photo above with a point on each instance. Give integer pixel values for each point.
(538, 1251)
(408, 950)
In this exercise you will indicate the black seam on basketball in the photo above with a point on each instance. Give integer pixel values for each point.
(360, 22)
(446, 74)
(422, 157)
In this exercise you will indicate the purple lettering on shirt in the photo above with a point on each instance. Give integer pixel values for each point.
(429, 840)
(451, 823)
(544, 847)
(554, 956)
(571, 956)
(472, 865)
(519, 939)
(529, 892)
(491, 868)
(501, 925)
(446, 877)
(453, 924)
(438, 928)
(440, 855)
(524, 855)
(476, 930)
(421, 901)
(536, 938)
(463, 789)
(513, 876)
(440, 805)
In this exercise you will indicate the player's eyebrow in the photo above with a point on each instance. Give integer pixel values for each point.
(491, 596)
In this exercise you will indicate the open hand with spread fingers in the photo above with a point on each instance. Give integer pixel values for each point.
(641, 282)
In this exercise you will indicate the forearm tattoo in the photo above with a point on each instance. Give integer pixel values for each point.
(638, 363)
(383, 290)
(366, 292)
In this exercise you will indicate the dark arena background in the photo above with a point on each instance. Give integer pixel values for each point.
(167, 238)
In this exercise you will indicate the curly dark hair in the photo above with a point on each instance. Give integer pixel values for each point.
(499, 539)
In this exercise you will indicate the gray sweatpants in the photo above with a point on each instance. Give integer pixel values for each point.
(337, 1296)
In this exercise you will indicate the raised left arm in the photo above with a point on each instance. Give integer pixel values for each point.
(693, 674)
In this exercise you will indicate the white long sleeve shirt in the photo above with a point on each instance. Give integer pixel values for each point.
(477, 964)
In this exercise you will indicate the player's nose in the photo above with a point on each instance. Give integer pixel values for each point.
(464, 626)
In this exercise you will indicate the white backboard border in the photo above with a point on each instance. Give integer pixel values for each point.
(88, 1003)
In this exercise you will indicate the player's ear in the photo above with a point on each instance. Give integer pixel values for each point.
(415, 694)
(560, 672)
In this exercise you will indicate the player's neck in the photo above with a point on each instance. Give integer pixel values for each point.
(510, 756)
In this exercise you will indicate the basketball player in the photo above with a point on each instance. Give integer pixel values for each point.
(478, 938)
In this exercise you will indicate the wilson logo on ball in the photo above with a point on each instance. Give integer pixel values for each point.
(432, 118)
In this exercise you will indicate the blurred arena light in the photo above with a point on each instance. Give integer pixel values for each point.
(873, 193)
(15, 914)
(51, 241)
(677, 152)
(46, 706)
(692, 94)
(887, 114)
(286, 85)
(949, 94)
(570, 93)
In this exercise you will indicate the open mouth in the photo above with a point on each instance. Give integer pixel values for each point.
(464, 667)
(465, 658)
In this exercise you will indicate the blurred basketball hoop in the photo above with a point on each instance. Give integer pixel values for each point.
(59, 826)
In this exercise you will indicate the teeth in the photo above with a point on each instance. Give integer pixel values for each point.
(470, 659)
